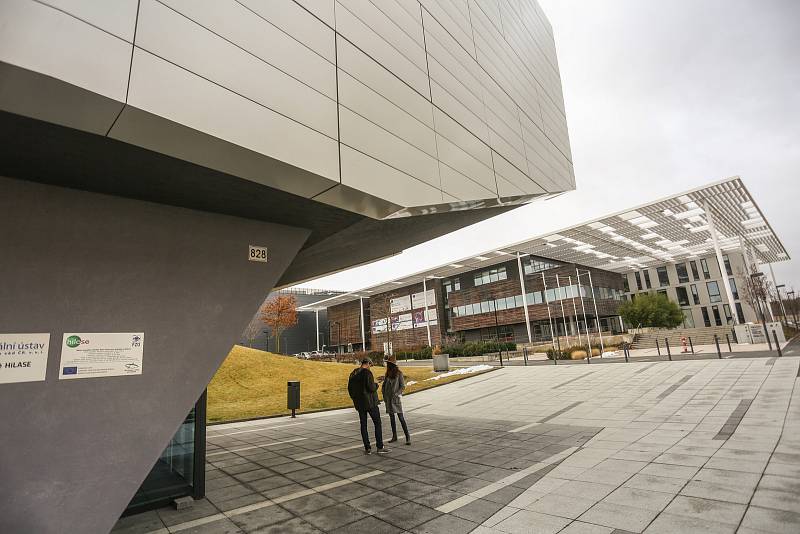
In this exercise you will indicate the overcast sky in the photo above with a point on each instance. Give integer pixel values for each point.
(661, 97)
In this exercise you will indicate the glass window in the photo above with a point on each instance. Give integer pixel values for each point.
(663, 277)
(683, 274)
(706, 319)
(535, 265)
(695, 275)
(695, 294)
(740, 312)
(510, 302)
(484, 307)
(501, 304)
(662, 292)
(727, 311)
(647, 279)
(638, 280)
(717, 318)
(734, 290)
(713, 292)
(491, 305)
(625, 285)
(551, 295)
(704, 266)
(456, 284)
(683, 296)
(471, 309)
(727, 263)
(492, 275)
(518, 301)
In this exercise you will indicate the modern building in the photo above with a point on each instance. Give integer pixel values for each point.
(699, 248)
(164, 165)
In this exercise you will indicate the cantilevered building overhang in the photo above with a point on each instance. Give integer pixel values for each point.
(146, 144)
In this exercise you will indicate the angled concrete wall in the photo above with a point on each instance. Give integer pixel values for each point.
(75, 451)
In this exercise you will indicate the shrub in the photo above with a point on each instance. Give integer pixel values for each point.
(578, 354)
(651, 310)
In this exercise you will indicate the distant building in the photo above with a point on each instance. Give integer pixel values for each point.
(700, 249)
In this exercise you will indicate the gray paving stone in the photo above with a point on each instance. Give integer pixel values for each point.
(706, 509)
(778, 500)
(293, 526)
(587, 490)
(562, 506)
(639, 498)
(655, 483)
(310, 503)
(528, 522)
(368, 525)
(618, 516)
(376, 501)
(579, 527)
(679, 524)
(334, 516)
(769, 520)
(445, 524)
(258, 519)
(221, 526)
(478, 511)
(407, 515)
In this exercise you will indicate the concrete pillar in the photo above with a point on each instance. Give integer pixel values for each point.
(363, 332)
(425, 313)
(316, 318)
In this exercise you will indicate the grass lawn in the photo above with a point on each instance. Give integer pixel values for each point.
(252, 383)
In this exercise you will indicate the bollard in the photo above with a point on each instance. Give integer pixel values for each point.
(728, 339)
(293, 395)
(666, 344)
(525, 355)
(777, 345)
(716, 342)
(501, 358)
(658, 348)
(625, 351)
(691, 346)
(735, 339)
(589, 354)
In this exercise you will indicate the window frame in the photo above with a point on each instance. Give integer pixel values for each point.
(712, 297)
(682, 279)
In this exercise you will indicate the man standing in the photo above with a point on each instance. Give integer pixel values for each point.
(364, 391)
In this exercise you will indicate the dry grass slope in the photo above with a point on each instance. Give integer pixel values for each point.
(252, 383)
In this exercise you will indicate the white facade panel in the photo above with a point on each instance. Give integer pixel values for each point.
(161, 88)
(359, 171)
(172, 36)
(46, 40)
(236, 23)
(117, 17)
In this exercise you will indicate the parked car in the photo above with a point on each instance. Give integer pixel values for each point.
(304, 355)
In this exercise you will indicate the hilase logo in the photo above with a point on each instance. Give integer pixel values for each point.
(74, 341)
(136, 341)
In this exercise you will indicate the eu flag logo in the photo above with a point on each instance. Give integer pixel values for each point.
(70, 370)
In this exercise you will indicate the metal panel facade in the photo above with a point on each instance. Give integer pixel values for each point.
(399, 107)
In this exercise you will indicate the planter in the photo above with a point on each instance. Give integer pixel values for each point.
(441, 362)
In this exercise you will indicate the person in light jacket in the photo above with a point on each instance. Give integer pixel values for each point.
(394, 383)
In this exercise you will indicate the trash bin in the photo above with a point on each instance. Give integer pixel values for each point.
(293, 395)
(441, 362)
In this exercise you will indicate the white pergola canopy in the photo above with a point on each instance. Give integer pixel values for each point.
(669, 230)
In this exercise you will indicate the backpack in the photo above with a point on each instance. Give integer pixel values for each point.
(355, 385)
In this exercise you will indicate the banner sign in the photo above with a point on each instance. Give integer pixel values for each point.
(23, 357)
(400, 304)
(418, 299)
(101, 354)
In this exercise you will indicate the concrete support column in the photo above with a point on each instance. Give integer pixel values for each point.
(715, 240)
(524, 297)
(316, 318)
(549, 316)
(777, 292)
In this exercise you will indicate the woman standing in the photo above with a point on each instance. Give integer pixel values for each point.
(394, 383)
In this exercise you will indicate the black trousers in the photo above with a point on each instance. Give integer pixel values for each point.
(402, 422)
(375, 414)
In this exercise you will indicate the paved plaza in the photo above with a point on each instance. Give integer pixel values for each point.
(709, 446)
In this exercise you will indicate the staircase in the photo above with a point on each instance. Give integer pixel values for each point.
(700, 336)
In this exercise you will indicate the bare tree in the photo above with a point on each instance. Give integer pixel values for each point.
(252, 329)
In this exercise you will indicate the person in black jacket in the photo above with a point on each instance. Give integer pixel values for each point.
(364, 391)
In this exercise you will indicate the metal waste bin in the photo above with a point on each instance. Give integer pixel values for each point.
(293, 395)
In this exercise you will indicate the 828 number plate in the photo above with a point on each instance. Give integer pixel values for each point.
(257, 254)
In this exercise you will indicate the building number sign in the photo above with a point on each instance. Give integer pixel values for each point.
(257, 254)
